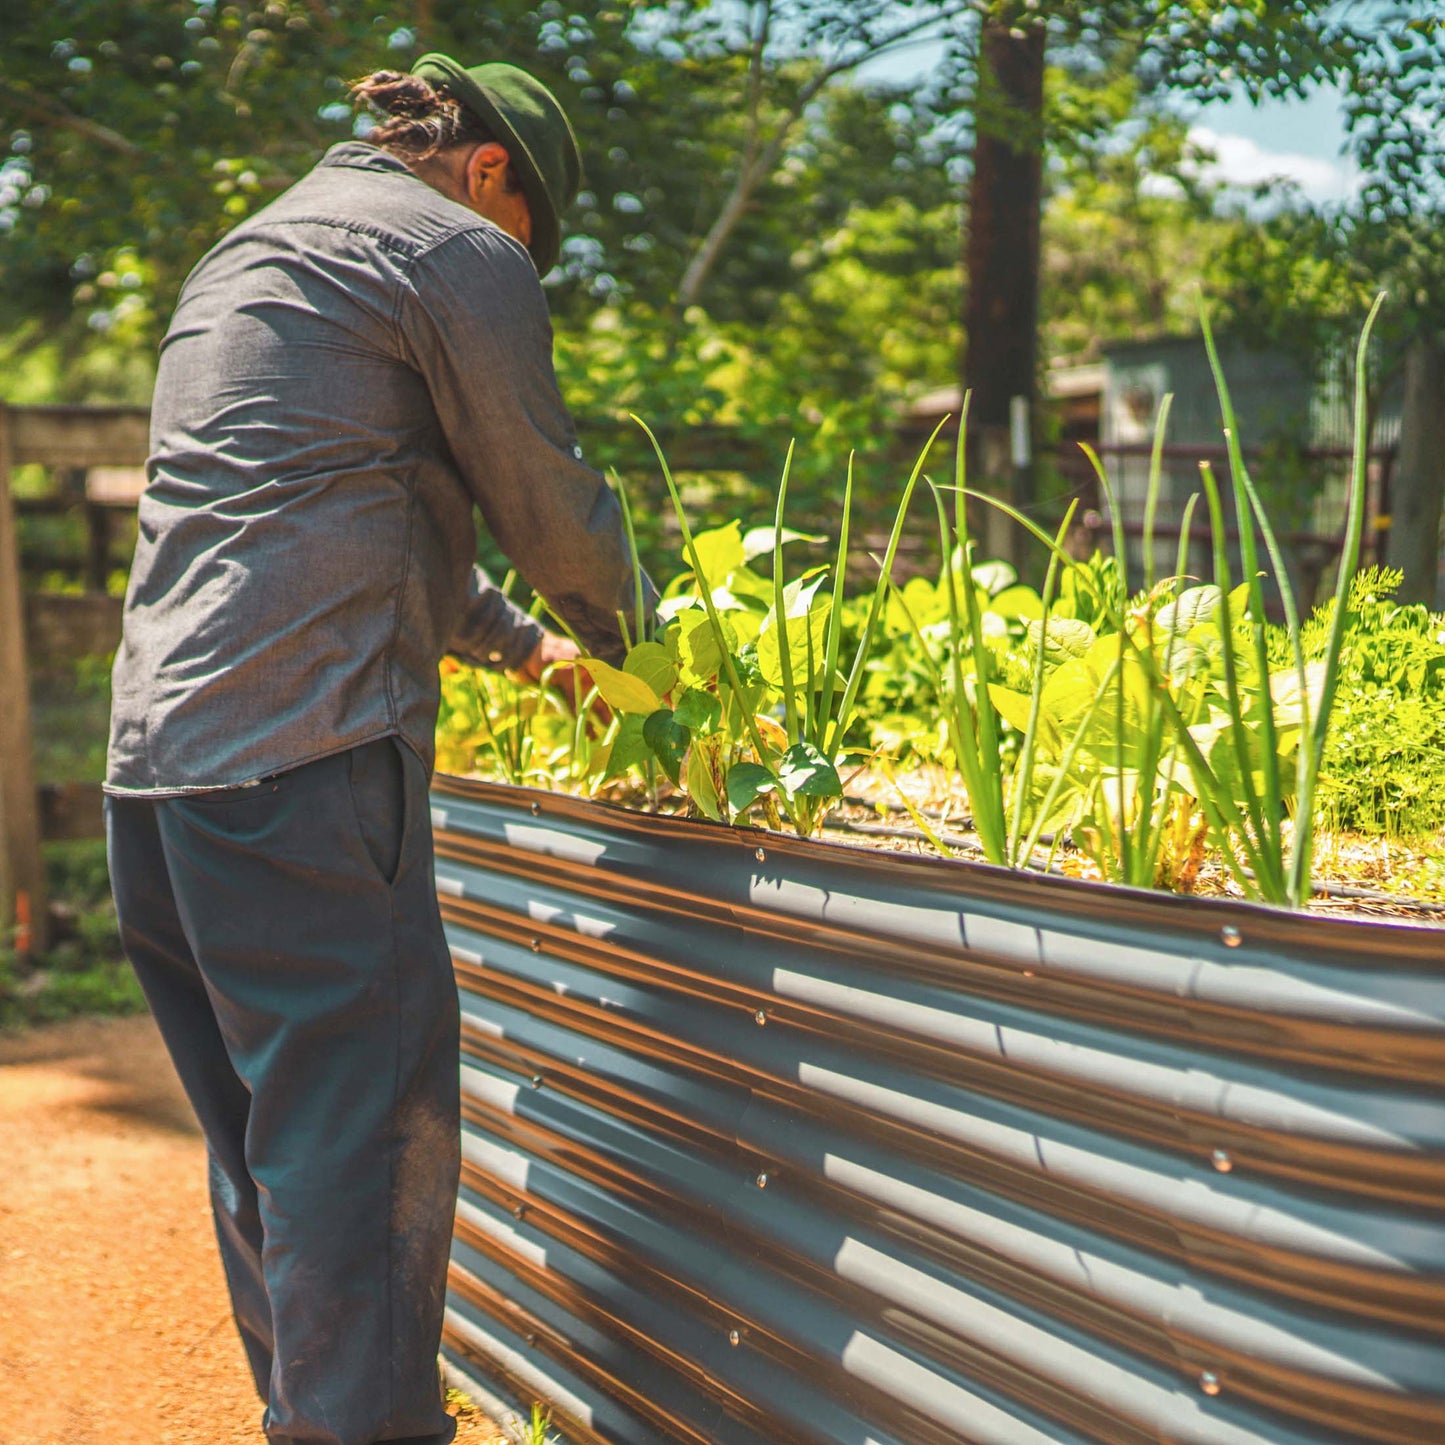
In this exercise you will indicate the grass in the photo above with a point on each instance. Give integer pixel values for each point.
(84, 971)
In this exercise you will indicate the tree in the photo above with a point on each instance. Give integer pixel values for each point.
(789, 50)
(1193, 47)
(1303, 280)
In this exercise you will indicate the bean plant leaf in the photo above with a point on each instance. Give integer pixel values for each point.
(697, 648)
(806, 614)
(805, 772)
(994, 577)
(719, 552)
(654, 665)
(758, 541)
(1014, 708)
(629, 748)
(747, 782)
(698, 710)
(701, 787)
(1021, 602)
(622, 691)
(1065, 637)
(668, 741)
(1193, 606)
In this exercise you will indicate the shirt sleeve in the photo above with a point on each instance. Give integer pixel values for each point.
(473, 321)
(492, 630)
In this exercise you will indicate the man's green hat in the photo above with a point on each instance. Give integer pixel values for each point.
(524, 116)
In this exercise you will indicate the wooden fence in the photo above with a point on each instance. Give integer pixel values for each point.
(64, 438)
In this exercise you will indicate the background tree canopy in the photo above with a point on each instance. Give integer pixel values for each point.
(762, 234)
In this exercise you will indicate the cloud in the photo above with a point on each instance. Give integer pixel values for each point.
(1240, 161)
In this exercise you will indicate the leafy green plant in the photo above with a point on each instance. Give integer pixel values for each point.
(1137, 726)
(739, 697)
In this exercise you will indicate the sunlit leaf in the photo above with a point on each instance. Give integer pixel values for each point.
(758, 541)
(654, 665)
(1021, 602)
(621, 691)
(701, 786)
(719, 551)
(805, 772)
(994, 577)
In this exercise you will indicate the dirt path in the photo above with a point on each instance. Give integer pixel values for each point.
(114, 1324)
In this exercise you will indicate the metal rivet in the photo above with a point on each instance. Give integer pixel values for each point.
(536, 808)
(532, 1340)
(761, 1017)
(1221, 1161)
(1231, 936)
(734, 1338)
(536, 945)
(536, 1081)
(761, 1181)
(519, 1211)
(1209, 1382)
(760, 855)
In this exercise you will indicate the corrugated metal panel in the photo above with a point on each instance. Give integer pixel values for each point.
(772, 1141)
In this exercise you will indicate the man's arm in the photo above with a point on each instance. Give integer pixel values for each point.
(474, 323)
(492, 630)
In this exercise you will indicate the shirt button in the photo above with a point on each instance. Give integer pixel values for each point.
(577, 452)
(494, 657)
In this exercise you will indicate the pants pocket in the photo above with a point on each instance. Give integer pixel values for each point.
(378, 794)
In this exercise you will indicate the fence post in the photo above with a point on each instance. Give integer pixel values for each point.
(23, 904)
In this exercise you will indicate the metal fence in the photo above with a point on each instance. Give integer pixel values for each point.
(769, 1142)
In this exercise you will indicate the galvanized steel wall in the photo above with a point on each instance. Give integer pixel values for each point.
(768, 1141)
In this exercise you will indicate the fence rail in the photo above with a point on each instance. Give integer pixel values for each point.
(774, 1141)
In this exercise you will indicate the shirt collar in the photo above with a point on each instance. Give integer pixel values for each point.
(363, 157)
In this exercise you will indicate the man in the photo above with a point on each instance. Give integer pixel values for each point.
(347, 374)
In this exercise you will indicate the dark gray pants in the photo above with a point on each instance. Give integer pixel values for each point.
(288, 940)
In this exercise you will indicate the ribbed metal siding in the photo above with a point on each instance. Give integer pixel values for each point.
(769, 1141)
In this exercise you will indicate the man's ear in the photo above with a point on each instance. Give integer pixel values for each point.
(486, 168)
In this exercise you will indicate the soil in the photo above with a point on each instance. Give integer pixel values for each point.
(114, 1323)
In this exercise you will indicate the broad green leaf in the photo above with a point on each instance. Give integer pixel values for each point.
(747, 782)
(668, 740)
(621, 691)
(747, 586)
(1065, 637)
(629, 748)
(654, 665)
(994, 577)
(698, 710)
(697, 648)
(1012, 707)
(758, 541)
(805, 772)
(1193, 606)
(701, 788)
(718, 552)
(801, 622)
(922, 599)
(1022, 602)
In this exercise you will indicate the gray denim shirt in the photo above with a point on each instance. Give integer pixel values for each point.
(348, 373)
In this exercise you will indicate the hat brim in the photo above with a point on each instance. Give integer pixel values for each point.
(546, 243)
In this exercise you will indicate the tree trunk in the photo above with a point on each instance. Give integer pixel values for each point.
(1001, 257)
(1417, 488)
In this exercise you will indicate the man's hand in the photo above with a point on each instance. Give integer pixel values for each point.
(572, 681)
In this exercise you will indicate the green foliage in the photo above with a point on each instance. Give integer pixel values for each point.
(1141, 725)
(1384, 764)
(84, 972)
